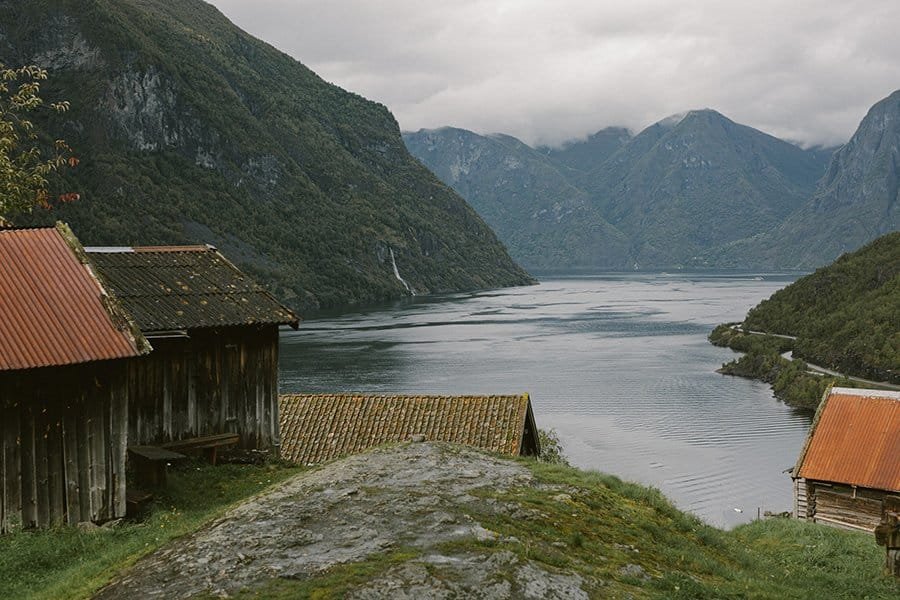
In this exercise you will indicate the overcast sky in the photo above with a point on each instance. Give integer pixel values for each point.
(547, 71)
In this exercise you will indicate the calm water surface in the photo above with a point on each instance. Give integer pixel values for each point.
(619, 365)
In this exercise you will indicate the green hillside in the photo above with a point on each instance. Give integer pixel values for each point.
(846, 316)
(520, 529)
(190, 130)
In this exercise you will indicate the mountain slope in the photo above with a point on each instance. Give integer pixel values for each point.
(697, 181)
(190, 130)
(672, 196)
(857, 200)
(544, 219)
(587, 154)
(845, 316)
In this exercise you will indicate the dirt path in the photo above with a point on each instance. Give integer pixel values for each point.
(413, 495)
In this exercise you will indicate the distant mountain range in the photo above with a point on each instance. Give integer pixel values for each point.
(190, 130)
(534, 202)
(695, 190)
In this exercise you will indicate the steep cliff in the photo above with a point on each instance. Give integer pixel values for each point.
(857, 200)
(190, 130)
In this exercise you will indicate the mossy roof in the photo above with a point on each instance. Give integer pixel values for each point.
(319, 427)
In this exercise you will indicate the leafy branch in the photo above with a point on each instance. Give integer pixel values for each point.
(24, 167)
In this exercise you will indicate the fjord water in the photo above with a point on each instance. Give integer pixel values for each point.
(617, 364)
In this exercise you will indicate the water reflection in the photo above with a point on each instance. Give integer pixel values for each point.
(617, 364)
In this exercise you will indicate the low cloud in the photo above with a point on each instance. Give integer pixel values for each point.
(805, 70)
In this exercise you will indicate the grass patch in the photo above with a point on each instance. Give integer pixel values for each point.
(334, 583)
(623, 539)
(600, 527)
(68, 563)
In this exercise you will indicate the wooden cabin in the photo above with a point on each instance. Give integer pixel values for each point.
(850, 464)
(65, 349)
(319, 427)
(214, 368)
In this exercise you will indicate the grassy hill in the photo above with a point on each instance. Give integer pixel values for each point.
(190, 130)
(470, 523)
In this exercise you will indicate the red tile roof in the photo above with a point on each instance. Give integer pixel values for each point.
(53, 309)
(319, 427)
(855, 440)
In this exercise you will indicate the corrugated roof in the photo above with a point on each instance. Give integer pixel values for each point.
(186, 287)
(319, 427)
(855, 440)
(53, 310)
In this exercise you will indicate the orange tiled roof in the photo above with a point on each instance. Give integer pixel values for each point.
(53, 309)
(855, 440)
(319, 427)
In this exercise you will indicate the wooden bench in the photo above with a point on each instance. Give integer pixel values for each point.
(207, 444)
(150, 464)
(136, 503)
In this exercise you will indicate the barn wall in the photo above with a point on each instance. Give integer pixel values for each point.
(801, 503)
(842, 506)
(63, 437)
(214, 382)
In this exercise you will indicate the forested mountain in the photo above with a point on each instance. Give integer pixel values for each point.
(698, 181)
(845, 316)
(857, 200)
(190, 130)
(544, 219)
(677, 195)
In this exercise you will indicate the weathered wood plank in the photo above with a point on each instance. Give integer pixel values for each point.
(118, 442)
(97, 461)
(5, 499)
(41, 462)
(857, 513)
(71, 464)
(12, 483)
(29, 486)
(842, 524)
(56, 489)
(83, 443)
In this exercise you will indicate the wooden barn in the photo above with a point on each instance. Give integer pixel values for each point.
(65, 350)
(850, 464)
(319, 427)
(214, 368)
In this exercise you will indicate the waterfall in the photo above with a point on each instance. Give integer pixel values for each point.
(397, 274)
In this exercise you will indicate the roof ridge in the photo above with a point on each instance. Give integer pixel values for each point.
(161, 249)
(866, 393)
(519, 396)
